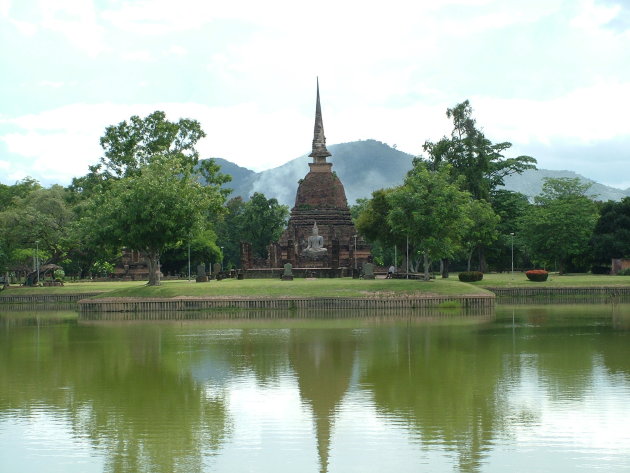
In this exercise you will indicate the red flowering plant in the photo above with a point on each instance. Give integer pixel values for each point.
(537, 275)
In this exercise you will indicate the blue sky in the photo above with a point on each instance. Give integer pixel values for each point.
(551, 76)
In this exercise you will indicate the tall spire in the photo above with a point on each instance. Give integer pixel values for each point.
(319, 153)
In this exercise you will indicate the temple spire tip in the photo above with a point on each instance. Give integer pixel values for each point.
(319, 153)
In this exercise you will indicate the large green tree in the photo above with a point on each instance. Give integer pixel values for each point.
(431, 211)
(263, 221)
(154, 209)
(482, 230)
(510, 207)
(41, 215)
(558, 227)
(473, 156)
(611, 238)
(159, 155)
(131, 145)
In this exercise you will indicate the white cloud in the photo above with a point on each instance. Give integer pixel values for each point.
(137, 56)
(5, 7)
(77, 21)
(178, 50)
(51, 84)
(24, 27)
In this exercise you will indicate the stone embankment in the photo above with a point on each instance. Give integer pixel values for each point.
(480, 302)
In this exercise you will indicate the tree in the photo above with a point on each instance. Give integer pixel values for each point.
(370, 219)
(482, 230)
(129, 146)
(43, 216)
(431, 211)
(262, 222)
(154, 209)
(473, 156)
(559, 226)
(229, 231)
(611, 236)
(510, 207)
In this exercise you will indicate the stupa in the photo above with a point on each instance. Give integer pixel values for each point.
(320, 238)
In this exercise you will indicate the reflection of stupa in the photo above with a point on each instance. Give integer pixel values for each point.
(323, 367)
(320, 206)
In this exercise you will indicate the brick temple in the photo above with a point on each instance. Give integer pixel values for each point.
(320, 239)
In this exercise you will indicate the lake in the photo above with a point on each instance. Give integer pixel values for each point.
(533, 388)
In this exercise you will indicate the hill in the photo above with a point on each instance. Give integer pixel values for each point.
(367, 165)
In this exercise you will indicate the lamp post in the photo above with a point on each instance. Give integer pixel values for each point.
(354, 255)
(407, 256)
(37, 260)
(512, 235)
(188, 258)
(222, 259)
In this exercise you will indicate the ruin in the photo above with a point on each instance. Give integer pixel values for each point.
(320, 239)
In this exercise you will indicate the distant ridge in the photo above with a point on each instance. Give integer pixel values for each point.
(367, 165)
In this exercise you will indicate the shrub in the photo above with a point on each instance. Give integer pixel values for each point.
(624, 272)
(597, 269)
(537, 275)
(59, 274)
(470, 276)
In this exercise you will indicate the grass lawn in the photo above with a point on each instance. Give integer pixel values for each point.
(554, 280)
(345, 287)
(70, 288)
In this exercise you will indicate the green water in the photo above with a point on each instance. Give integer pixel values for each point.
(534, 389)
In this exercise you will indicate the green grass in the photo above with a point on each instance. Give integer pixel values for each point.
(344, 287)
(554, 280)
(70, 288)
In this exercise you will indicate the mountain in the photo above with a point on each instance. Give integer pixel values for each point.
(530, 183)
(362, 166)
(367, 165)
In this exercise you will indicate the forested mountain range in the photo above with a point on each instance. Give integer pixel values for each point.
(365, 166)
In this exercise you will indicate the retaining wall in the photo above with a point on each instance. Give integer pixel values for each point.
(182, 304)
(44, 298)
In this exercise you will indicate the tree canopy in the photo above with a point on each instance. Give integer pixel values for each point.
(557, 229)
(611, 236)
(473, 156)
(431, 211)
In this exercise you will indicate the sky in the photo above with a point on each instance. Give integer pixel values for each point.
(550, 76)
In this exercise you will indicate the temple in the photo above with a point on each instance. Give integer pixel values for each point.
(320, 239)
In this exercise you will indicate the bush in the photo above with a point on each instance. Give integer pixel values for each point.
(537, 275)
(470, 276)
(59, 275)
(600, 269)
(624, 272)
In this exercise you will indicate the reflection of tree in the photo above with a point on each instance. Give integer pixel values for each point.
(443, 381)
(262, 351)
(322, 361)
(117, 388)
(614, 346)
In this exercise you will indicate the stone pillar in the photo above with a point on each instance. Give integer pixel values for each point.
(246, 255)
(334, 254)
(275, 255)
(291, 257)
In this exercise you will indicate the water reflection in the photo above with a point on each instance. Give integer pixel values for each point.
(188, 395)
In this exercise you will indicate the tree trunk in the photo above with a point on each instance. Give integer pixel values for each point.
(153, 261)
(427, 266)
(444, 268)
(469, 259)
(483, 265)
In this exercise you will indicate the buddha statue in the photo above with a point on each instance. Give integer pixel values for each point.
(315, 244)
